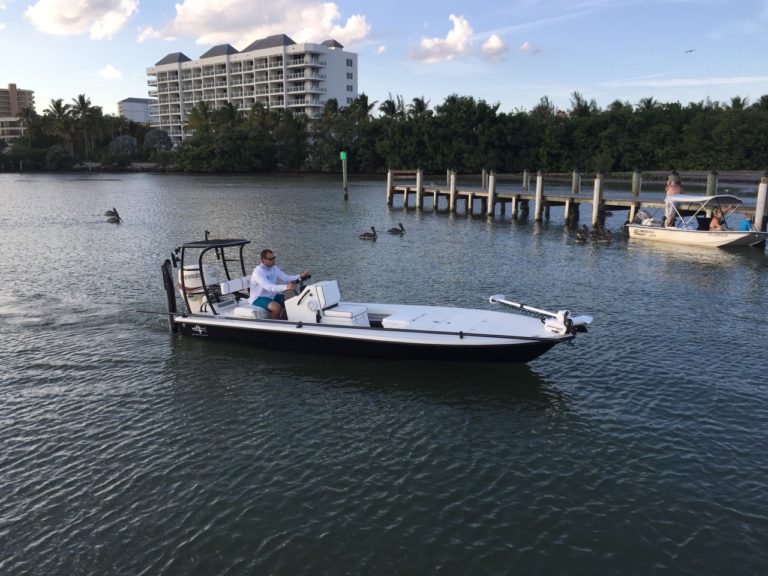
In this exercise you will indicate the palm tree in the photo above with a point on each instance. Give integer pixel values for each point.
(360, 109)
(59, 122)
(225, 117)
(419, 107)
(33, 124)
(87, 121)
(647, 104)
(580, 107)
(739, 103)
(393, 107)
(199, 119)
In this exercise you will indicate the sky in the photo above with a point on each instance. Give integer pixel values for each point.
(506, 52)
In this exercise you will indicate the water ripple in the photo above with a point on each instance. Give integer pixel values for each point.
(129, 450)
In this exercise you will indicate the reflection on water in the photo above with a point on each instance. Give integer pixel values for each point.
(452, 383)
(125, 445)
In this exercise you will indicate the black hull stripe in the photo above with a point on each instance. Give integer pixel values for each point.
(305, 342)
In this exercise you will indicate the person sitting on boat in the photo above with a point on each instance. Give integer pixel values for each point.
(265, 291)
(746, 224)
(669, 209)
(717, 222)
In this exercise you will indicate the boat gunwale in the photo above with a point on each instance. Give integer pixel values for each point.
(345, 331)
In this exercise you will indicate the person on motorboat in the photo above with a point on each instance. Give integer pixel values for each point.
(669, 210)
(265, 291)
(717, 222)
(746, 224)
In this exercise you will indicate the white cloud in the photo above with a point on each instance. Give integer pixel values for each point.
(494, 48)
(149, 33)
(530, 48)
(685, 82)
(100, 18)
(109, 72)
(2, 25)
(381, 49)
(456, 43)
(236, 22)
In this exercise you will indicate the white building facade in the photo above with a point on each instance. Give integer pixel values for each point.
(275, 71)
(136, 109)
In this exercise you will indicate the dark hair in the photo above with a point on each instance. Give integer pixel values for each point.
(265, 252)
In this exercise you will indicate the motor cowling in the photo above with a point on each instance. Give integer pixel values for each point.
(560, 324)
(193, 285)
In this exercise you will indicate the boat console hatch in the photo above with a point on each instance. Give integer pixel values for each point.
(320, 303)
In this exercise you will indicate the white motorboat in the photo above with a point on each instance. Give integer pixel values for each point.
(692, 216)
(213, 285)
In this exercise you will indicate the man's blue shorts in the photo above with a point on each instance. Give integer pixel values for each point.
(263, 301)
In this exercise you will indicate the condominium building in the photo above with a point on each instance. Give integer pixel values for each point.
(12, 102)
(275, 71)
(136, 109)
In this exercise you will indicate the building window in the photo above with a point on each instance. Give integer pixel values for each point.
(350, 75)
(349, 62)
(350, 88)
(349, 100)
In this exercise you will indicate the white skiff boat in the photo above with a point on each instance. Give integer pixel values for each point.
(215, 305)
(693, 214)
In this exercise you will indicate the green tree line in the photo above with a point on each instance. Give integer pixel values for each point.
(460, 133)
(71, 133)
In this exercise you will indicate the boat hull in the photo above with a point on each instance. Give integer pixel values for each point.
(714, 239)
(378, 343)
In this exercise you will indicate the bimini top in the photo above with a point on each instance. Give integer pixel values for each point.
(694, 202)
(218, 243)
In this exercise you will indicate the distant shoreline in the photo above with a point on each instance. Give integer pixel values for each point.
(735, 176)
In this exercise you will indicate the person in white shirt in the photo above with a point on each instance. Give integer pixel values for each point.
(266, 292)
(669, 210)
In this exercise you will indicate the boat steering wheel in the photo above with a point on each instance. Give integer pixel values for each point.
(301, 285)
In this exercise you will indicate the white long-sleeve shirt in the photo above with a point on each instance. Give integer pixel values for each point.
(264, 281)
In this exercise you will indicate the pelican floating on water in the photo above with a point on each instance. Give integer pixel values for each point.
(369, 235)
(112, 216)
(398, 231)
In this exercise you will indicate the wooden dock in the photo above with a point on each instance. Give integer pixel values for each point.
(409, 185)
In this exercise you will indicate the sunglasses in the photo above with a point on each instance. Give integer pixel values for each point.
(270, 257)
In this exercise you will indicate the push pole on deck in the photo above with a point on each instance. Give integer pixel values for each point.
(343, 156)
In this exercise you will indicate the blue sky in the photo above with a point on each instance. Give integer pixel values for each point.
(510, 52)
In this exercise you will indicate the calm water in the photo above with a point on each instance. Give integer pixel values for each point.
(641, 449)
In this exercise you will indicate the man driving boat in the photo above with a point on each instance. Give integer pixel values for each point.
(265, 291)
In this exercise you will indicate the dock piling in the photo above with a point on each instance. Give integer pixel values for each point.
(597, 199)
(575, 183)
(452, 191)
(490, 208)
(712, 183)
(762, 203)
(539, 196)
(637, 182)
(419, 188)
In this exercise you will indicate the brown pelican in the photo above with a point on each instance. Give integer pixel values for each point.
(369, 235)
(112, 216)
(399, 231)
(582, 234)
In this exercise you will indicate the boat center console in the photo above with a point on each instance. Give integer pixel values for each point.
(321, 303)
